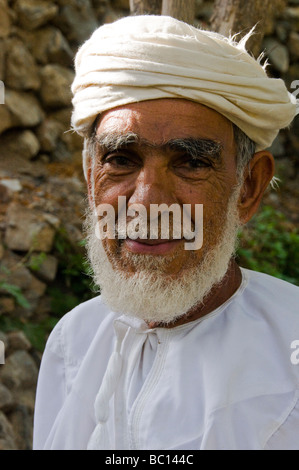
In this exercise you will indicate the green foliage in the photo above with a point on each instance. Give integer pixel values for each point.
(271, 245)
(15, 292)
(72, 284)
(36, 260)
(35, 332)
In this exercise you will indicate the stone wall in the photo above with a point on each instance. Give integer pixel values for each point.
(42, 192)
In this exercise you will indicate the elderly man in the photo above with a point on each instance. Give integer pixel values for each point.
(183, 349)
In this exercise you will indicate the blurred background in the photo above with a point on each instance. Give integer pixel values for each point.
(43, 272)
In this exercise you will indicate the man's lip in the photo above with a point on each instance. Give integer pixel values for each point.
(160, 246)
(153, 241)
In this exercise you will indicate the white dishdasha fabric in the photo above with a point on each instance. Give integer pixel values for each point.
(225, 381)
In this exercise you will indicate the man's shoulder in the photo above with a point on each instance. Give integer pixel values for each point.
(75, 331)
(265, 282)
(268, 294)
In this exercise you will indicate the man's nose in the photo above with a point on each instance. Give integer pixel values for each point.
(153, 186)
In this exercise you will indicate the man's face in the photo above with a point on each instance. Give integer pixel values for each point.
(169, 151)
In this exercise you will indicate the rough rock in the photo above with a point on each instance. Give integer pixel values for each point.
(35, 13)
(21, 70)
(7, 305)
(3, 338)
(56, 82)
(6, 400)
(24, 142)
(44, 268)
(294, 45)
(1, 249)
(2, 62)
(292, 13)
(14, 272)
(13, 184)
(48, 134)
(278, 54)
(19, 372)
(50, 46)
(24, 107)
(6, 118)
(76, 20)
(28, 229)
(21, 420)
(5, 19)
(21, 284)
(5, 194)
(17, 340)
(7, 441)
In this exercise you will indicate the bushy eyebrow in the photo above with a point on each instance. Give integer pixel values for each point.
(195, 147)
(112, 141)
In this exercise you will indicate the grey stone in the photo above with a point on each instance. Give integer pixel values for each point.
(120, 4)
(6, 399)
(4, 339)
(50, 46)
(28, 229)
(25, 397)
(35, 13)
(6, 118)
(23, 143)
(278, 54)
(46, 269)
(24, 288)
(56, 86)
(48, 134)
(72, 140)
(5, 20)
(2, 58)
(293, 45)
(7, 305)
(24, 108)
(5, 194)
(76, 20)
(63, 116)
(14, 272)
(22, 422)
(292, 13)
(7, 441)
(282, 30)
(101, 6)
(21, 70)
(18, 341)
(13, 184)
(19, 372)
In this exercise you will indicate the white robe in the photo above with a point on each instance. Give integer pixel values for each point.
(229, 380)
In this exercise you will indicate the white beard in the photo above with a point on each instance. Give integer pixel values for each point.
(150, 294)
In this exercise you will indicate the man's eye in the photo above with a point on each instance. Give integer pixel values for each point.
(195, 163)
(119, 161)
(198, 163)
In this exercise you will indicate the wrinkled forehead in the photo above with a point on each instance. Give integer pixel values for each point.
(159, 121)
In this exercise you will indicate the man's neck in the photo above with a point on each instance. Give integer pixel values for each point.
(216, 297)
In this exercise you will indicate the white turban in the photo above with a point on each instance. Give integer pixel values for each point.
(140, 58)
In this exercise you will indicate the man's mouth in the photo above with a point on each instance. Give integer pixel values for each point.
(148, 246)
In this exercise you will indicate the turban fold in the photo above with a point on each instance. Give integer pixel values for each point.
(141, 58)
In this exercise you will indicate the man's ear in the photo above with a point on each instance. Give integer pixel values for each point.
(256, 179)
